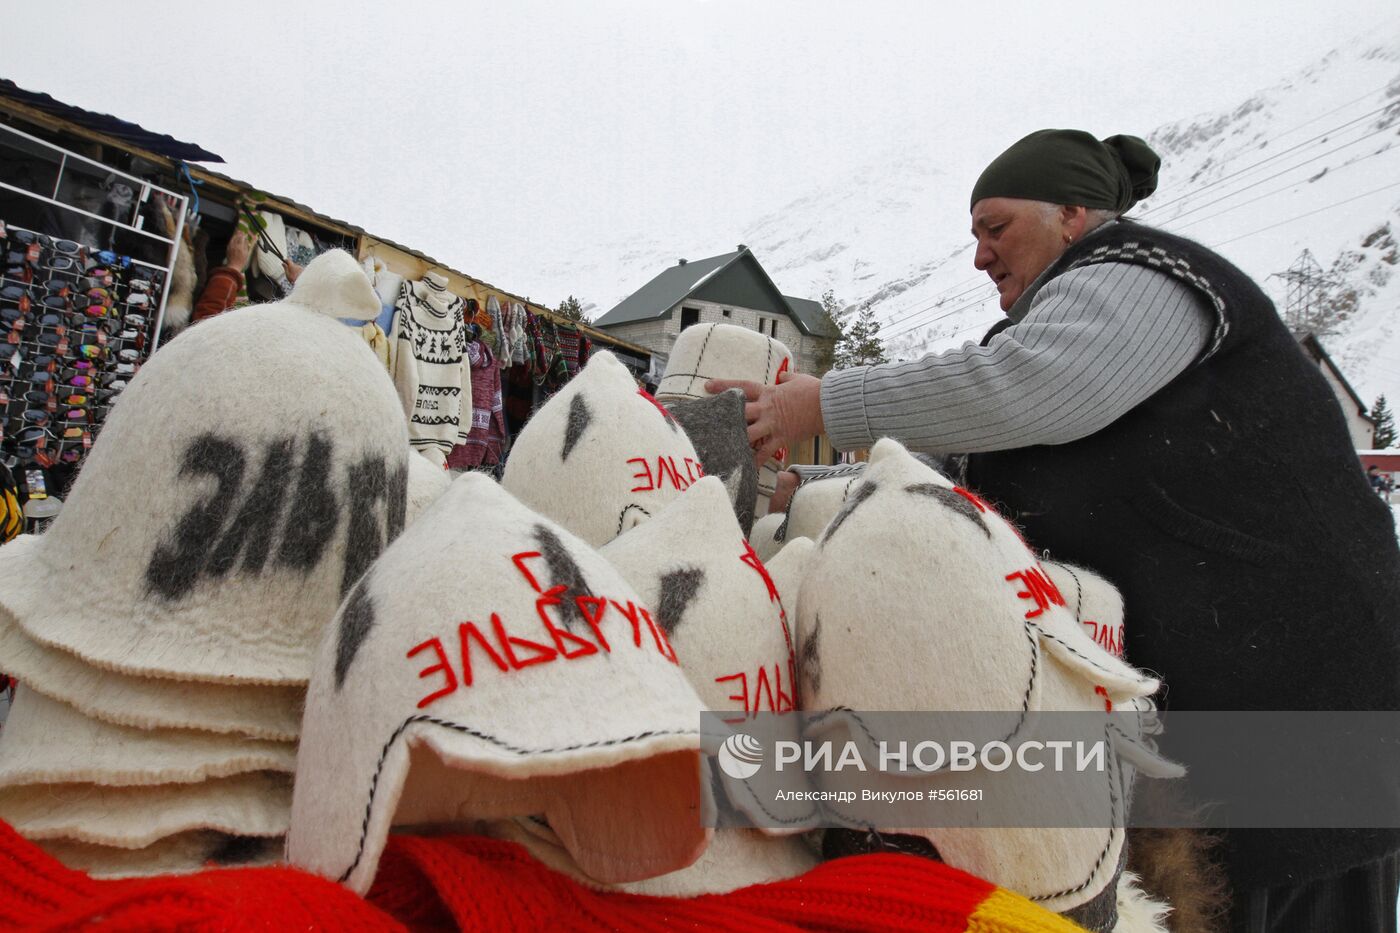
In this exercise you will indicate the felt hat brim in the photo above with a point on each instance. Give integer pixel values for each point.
(260, 712)
(47, 742)
(179, 854)
(254, 804)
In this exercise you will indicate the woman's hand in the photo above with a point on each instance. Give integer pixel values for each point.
(780, 415)
(240, 250)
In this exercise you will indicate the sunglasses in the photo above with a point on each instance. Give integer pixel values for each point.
(22, 236)
(138, 301)
(14, 315)
(94, 351)
(55, 319)
(62, 264)
(139, 285)
(135, 320)
(58, 339)
(54, 301)
(128, 356)
(32, 436)
(35, 417)
(14, 292)
(66, 247)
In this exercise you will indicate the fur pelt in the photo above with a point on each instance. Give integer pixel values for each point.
(1176, 866)
(179, 304)
(1138, 913)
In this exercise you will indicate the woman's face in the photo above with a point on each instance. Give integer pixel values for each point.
(1016, 240)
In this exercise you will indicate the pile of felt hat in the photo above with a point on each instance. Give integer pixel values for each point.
(238, 644)
(162, 630)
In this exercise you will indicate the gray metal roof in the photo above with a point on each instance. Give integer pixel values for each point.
(660, 295)
(812, 317)
(654, 299)
(126, 131)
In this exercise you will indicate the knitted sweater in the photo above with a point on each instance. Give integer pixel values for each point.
(431, 369)
(486, 439)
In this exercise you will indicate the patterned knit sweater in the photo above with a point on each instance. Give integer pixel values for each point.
(431, 369)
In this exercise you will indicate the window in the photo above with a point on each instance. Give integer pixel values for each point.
(725, 312)
(689, 316)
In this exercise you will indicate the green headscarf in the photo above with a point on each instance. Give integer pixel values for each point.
(1072, 167)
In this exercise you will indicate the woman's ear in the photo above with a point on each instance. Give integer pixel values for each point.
(1074, 218)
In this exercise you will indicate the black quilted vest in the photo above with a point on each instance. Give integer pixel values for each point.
(1258, 569)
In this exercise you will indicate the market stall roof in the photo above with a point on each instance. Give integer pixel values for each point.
(106, 129)
(128, 132)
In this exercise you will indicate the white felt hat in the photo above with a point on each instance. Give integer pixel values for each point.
(969, 620)
(243, 481)
(253, 804)
(721, 351)
(726, 351)
(149, 702)
(724, 613)
(426, 482)
(764, 535)
(179, 854)
(492, 665)
(48, 742)
(601, 455)
(715, 600)
(814, 504)
(1096, 604)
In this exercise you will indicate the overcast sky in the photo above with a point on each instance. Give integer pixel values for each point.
(492, 135)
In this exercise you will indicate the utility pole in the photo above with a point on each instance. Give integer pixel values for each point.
(1307, 308)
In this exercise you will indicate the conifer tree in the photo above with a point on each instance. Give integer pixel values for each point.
(1385, 424)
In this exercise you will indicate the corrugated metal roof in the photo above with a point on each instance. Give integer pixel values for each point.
(661, 294)
(128, 132)
(812, 317)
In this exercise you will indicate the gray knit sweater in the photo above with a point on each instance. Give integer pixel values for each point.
(1086, 348)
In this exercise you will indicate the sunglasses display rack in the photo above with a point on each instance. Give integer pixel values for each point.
(74, 328)
(77, 320)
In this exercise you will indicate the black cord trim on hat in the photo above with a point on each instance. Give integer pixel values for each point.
(499, 743)
(1078, 596)
(700, 359)
(622, 516)
(1083, 657)
(1025, 699)
(1114, 778)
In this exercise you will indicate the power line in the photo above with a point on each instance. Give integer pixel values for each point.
(1277, 155)
(1267, 194)
(1254, 184)
(1290, 220)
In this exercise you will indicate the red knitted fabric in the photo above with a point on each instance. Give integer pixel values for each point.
(467, 882)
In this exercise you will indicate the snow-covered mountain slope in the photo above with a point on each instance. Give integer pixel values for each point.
(1312, 162)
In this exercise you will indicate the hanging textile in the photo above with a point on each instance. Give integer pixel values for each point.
(569, 348)
(502, 331)
(485, 443)
(519, 341)
(431, 369)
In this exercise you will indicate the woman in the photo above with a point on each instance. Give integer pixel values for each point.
(1121, 415)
